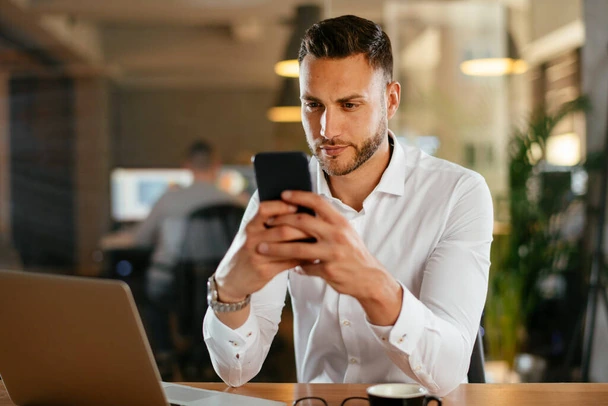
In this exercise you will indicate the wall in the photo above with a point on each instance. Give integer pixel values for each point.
(92, 163)
(8, 256)
(4, 160)
(154, 127)
(549, 15)
(42, 155)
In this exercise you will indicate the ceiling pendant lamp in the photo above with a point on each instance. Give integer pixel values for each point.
(512, 64)
(288, 107)
(306, 16)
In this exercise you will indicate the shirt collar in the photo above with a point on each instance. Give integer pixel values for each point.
(322, 186)
(393, 178)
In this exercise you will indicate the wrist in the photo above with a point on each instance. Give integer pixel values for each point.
(225, 293)
(382, 304)
(215, 303)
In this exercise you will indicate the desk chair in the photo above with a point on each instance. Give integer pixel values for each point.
(476, 372)
(208, 235)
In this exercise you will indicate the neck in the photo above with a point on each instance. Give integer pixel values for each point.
(353, 189)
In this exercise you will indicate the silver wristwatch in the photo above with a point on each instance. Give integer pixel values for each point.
(221, 307)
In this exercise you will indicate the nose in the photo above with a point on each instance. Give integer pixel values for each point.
(330, 123)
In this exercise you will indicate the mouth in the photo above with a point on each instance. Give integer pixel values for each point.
(333, 150)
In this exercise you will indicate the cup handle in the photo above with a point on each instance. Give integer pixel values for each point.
(351, 398)
(428, 399)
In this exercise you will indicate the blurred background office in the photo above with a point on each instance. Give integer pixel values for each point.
(99, 99)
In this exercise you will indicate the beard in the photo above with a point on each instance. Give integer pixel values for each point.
(363, 152)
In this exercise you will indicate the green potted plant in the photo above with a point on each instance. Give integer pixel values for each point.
(530, 249)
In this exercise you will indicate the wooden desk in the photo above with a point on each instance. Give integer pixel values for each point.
(553, 394)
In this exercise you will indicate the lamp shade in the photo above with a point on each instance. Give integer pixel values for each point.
(306, 15)
(288, 107)
(509, 65)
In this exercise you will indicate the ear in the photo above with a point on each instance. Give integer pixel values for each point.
(393, 98)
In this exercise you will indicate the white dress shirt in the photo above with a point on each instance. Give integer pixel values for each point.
(429, 222)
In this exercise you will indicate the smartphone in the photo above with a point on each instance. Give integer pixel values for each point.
(279, 171)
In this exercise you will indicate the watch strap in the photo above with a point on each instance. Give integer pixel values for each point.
(221, 307)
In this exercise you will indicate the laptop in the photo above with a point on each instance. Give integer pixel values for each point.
(80, 341)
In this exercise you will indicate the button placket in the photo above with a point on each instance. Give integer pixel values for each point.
(347, 318)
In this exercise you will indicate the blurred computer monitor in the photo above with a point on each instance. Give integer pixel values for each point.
(134, 191)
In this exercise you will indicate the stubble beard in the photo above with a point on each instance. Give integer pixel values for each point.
(363, 152)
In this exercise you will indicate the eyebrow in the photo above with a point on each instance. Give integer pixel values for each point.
(310, 98)
(340, 100)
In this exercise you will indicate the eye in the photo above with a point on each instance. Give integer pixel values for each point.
(349, 106)
(312, 105)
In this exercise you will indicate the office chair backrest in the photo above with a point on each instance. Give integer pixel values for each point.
(208, 234)
(476, 372)
(209, 231)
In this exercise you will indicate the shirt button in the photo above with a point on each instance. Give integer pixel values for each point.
(346, 323)
(353, 360)
(418, 368)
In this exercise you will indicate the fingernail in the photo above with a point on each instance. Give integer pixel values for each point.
(263, 248)
(293, 209)
(299, 270)
(270, 221)
(286, 194)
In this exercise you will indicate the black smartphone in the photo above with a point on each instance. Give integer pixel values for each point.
(279, 171)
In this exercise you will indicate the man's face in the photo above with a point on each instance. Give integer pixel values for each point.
(344, 111)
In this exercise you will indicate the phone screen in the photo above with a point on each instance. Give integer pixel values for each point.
(279, 171)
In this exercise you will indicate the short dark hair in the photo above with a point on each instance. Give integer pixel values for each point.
(200, 155)
(346, 36)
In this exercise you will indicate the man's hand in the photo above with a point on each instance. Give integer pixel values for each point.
(339, 256)
(249, 271)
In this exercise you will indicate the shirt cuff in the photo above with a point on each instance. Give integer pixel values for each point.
(405, 334)
(235, 341)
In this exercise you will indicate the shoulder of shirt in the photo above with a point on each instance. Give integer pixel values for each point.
(418, 160)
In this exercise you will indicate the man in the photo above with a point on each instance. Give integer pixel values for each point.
(394, 287)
